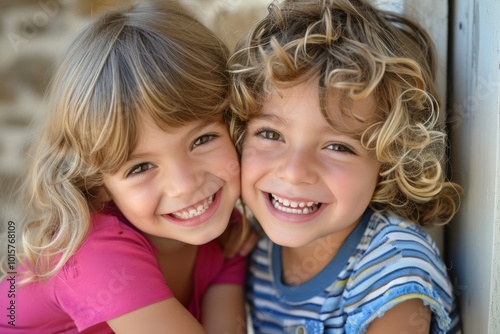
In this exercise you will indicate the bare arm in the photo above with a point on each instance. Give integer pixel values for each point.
(166, 316)
(409, 317)
(223, 310)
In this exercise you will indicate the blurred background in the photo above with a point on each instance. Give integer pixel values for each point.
(467, 34)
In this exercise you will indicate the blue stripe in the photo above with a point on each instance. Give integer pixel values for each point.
(386, 249)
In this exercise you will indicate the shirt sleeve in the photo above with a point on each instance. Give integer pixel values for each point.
(402, 265)
(113, 273)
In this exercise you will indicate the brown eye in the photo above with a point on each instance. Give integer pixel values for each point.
(140, 168)
(269, 134)
(339, 148)
(203, 140)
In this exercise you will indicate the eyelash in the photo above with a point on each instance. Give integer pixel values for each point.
(341, 148)
(138, 169)
(204, 139)
(263, 131)
(133, 171)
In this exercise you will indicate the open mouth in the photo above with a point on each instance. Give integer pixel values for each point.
(195, 210)
(293, 207)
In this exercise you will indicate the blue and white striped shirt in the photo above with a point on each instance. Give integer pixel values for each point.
(384, 261)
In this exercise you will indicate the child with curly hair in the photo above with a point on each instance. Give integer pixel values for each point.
(343, 163)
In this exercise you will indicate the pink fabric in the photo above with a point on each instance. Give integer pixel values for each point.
(114, 272)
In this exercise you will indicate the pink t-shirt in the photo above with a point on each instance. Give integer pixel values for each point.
(114, 272)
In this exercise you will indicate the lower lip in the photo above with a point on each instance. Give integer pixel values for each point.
(291, 217)
(198, 220)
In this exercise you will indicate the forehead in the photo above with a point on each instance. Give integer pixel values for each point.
(338, 112)
(353, 113)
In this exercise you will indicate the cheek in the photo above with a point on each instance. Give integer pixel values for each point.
(373, 175)
(251, 171)
(225, 161)
(227, 168)
(356, 182)
(251, 166)
(230, 170)
(235, 180)
(112, 192)
(136, 199)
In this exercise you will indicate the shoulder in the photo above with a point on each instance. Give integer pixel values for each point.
(114, 272)
(390, 238)
(109, 240)
(111, 243)
(107, 228)
(392, 245)
(386, 227)
(397, 261)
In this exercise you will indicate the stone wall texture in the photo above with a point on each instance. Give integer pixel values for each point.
(32, 36)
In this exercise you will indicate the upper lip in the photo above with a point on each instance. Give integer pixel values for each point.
(185, 208)
(294, 198)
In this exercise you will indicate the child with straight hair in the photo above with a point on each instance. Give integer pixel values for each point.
(133, 176)
(343, 163)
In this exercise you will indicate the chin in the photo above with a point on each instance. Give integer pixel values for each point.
(214, 233)
(285, 239)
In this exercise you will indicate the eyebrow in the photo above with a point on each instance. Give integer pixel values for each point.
(270, 119)
(137, 156)
(329, 130)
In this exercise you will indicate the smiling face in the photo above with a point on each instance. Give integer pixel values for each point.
(181, 184)
(301, 179)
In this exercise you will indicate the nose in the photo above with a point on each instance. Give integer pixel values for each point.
(182, 177)
(298, 166)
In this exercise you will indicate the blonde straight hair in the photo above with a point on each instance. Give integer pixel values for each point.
(149, 59)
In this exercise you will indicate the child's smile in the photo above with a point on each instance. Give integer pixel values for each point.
(302, 179)
(293, 210)
(183, 178)
(197, 213)
(194, 210)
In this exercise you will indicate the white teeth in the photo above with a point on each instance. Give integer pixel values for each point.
(192, 212)
(288, 206)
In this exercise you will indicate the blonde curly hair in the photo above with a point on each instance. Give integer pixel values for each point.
(149, 59)
(357, 51)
